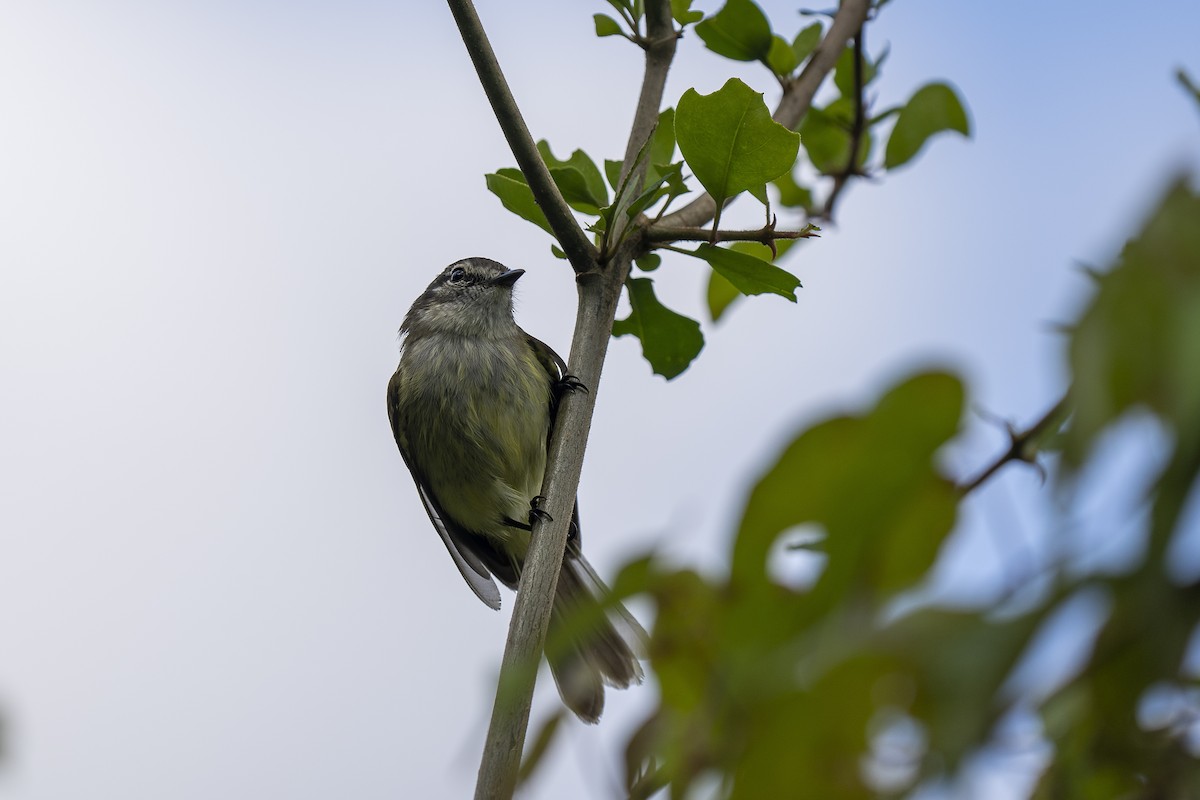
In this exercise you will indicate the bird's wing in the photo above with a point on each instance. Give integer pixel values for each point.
(453, 536)
(556, 369)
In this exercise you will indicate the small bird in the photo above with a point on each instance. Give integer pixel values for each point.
(472, 405)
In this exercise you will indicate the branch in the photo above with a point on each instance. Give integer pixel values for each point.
(796, 100)
(580, 251)
(841, 179)
(658, 234)
(1023, 445)
(599, 287)
(659, 45)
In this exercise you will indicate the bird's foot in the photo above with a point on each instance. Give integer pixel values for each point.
(536, 511)
(570, 383)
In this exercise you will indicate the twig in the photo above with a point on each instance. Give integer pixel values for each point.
(842, 178)
(599, 288)
(658, 234)
(796, 100)
(571, 237)
(1023, 445)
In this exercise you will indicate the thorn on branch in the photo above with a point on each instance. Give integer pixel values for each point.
(1023, 446)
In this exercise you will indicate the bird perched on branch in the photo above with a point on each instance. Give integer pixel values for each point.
(472, 404)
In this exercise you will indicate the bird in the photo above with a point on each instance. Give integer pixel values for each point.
(472, 405)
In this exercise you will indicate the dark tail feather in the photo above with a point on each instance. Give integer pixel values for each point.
(584, 647)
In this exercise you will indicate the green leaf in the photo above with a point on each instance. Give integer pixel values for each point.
(607, 26)
(670, 341)
(509, 185)
(645, 200)
(781, 58)
(739, 31)
(577, 178)
(681, 10)
(792, 194)
(806, 42)
(648, 262)
(557, 252)
(750, 274)
(843, 75)
(612, 171)
(934, 108)
(720, 295)
(730, 141)
(662, 144)
(826, 136)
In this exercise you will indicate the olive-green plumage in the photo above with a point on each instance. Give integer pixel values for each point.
(472, 405)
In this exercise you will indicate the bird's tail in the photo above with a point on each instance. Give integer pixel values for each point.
(592, 641)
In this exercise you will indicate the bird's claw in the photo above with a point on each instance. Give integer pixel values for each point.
(570, 383)
(536, 511)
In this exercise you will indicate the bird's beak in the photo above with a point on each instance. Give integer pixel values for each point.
(508, 278)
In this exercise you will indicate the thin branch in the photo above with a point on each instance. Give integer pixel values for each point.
(1023, 445)
(659, 45)
(796, 100)
(857, 128)
(659, 234)
(599, 288)
(580, 251)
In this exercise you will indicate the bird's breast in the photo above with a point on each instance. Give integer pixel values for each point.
(476, 414)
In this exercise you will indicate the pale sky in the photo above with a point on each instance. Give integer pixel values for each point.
(216, 579)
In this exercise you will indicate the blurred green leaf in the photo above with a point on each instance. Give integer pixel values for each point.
(1138, 342)
(934, 108)
(607, 26)
(957, 662)
(670, 341)
(881, 543)
(806, 42)
(748, 273)
(826, 136)
(1138, 345)
(509, 185)
(792, 194)
(843, 72)
(720, 295)
(541, 745)
(739, 31)
(730, 141)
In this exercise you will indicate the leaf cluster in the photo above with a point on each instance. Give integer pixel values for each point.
(729, 144)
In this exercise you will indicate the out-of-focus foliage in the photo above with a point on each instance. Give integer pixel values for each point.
(778, 690)
(776, 687)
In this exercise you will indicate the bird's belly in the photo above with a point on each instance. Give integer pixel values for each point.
(483, 451)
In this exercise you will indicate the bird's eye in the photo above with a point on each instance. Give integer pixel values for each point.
(457, 275)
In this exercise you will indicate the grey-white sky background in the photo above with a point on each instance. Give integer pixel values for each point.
(215, 577)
